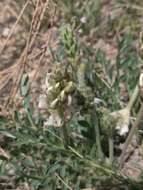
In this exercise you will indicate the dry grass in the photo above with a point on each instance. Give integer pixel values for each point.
(15, 71)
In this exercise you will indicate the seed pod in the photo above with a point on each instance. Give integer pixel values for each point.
(54, 104)
(63, 96)
(70, 87)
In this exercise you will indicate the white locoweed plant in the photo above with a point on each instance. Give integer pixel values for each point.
(64, 87)
(123, 116)
(117, 122)
(61, 87)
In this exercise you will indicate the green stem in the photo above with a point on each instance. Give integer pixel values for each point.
(133, 98)
(31, 120)
(66, 185)
(94, 121)
(111, 149)
(64, 129)
(104, 169)
(92, 163)
(65, 134)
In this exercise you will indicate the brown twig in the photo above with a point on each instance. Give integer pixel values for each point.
(35, 26)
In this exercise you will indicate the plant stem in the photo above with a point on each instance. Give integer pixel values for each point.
(66, 185)
(31, 120)
(64, 129)
(131, 134)
(133, 98)
(65, 134)
(111, 149)
(94, 121)
(135, 126)
(92, 163)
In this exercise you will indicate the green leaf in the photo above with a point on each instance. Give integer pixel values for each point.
(8, 134)
(3, 120)
(24, 86)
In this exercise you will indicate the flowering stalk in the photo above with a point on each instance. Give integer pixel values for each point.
(123, 115)
(138, 120)
(131, 134)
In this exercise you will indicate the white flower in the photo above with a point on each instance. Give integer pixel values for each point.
(69, 100)
(6, 32)
(83, 19)
(123, 121)
(123, 129)
(47, 83)
(49, 90)
(80, 31)
(53, 120)
(42, 104)
(98, 101)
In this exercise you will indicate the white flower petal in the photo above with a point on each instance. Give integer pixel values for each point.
(42, 104)
(53, 120)
(123, 129)
(83, 20)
